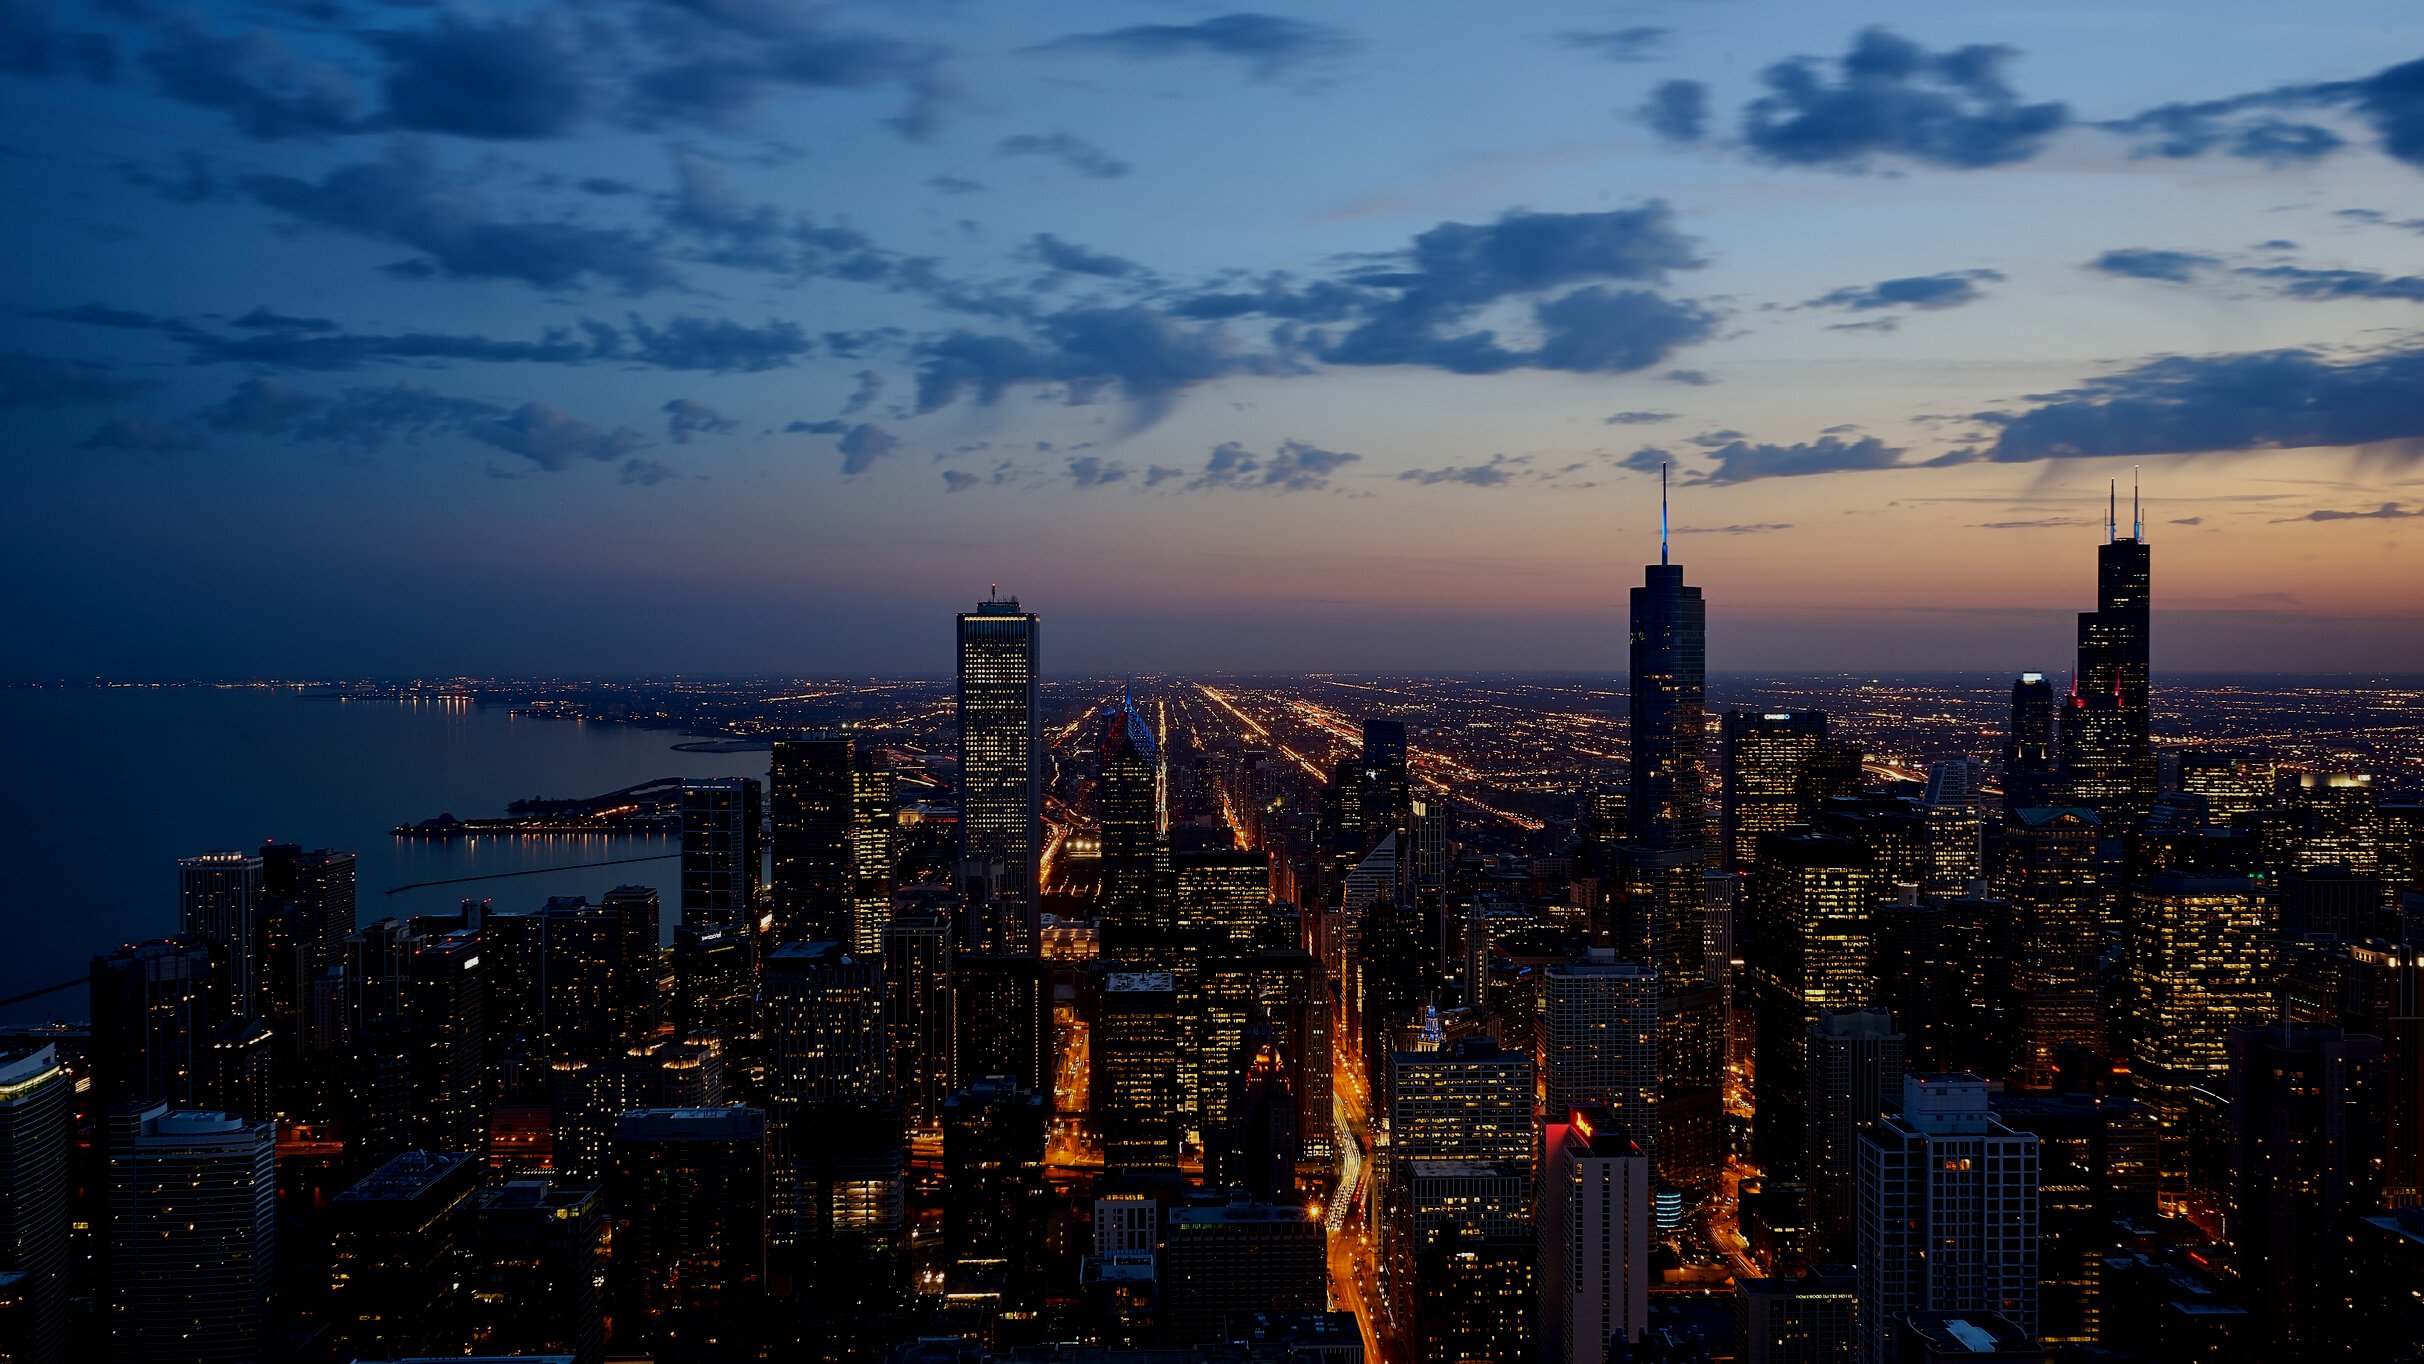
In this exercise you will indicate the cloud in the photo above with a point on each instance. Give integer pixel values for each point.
(954, 184)
(261, 405)
(1132, 350)
(862, 445)
(552, 439)
(31, 45)
(1077, 260)
(1497, 473)
(717, 60)
(2041, 523)
(870, 386)
(2195, 404)
(360, 417)
(2188, 521)
(717, 344)
(39, 381)
(1740, 528)
(685, 418)
(2299, 282)
(511, 79)
(959, 480)
(1086, 471)
(2177, 267)
(1947, 290)
(262, 319)
(684, 342)
(643, 473)
(823, 428)
(1677, 110)
(1743, 461)
(254, 78)
(1692, 377)
(405, 199)
(1639, 418)
(1636, 44)
(98, 315)
(141, 436)
(1597, 330)
(1070, 150)
(2388, 511)
(1268, 44)
(1889, 99)
(1295, 467)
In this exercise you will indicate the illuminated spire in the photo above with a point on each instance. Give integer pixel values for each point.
(1662, 511)
(2112, 510)
(2137, 518)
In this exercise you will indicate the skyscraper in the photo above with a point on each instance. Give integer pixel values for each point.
(2028, 744)
(1767, 777)
(154, 1007)
(809, 798)
(1854, 1073)
(1599, 1022)
(872, 822)
(1809, 940)
(2308, 1122)
(917, 1013)
(534, 1281)
(1668, 686)
(688, 1189)
(399, 1237)
(2200, 962)
(720, 847)
(1385, 776)
(2059, 892)
(192, 1236)
(219, 901)
(822, 1009)
(1947, 1213)
(1240, 1258)
(318, 882)
(1001, 754)
(1953, 827)
(37, 1135)
(1594, 1238)
(2108, 757)
(1135, 1042)
(1128, 762)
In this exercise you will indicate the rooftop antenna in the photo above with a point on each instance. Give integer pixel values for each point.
(1662, 511)
(2137, 518)
(2112, 510)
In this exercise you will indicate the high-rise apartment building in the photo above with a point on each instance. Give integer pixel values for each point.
(1599, 1027)
(155, 1006)
(1767, 778)
(37, 1139)
(219, 901)
(872, 828)
(809, 797)
(721, 850)
(918, 1012)
(1807, 944)
(1594, 1238)
(2307, 1132)
(1947, 1213)
(192, 1236)
(688, 1189)
(1854, 1073)
(1001, 755)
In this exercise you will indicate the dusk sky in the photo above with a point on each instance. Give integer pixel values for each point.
(745, 336)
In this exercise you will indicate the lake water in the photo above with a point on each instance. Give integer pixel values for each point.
(104, 789)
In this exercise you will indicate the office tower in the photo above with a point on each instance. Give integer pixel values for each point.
(1599, 1023)
(714, 975)
(1429, 842)
(1294, 993)
(320, 883)
(1947, 1213)
(448, 1009)
(1810, 1318)
(2232, 783)
(872, 824)
(1128, 805)
(2096, 1165)
(397, 1240)
(2200, 962)
(688, 1189)
(917, 1014)
(37, 1138)
(2058, 887)
(415, 1030)
(1767, 777)
(192, 1236)
(154, 1007)
(1472, 1100)
(219, 901)
(1255, 1146)
(2332, 902)
(2338, 826)
(1662, 913)
(1001, 755)
(1594, 1237)
(822, 1010)
(2028, 745)
(1854, 1074)
(576, 979)
(1136, 1100)
(1668, 686)
(993, 1170)
(720, 846)
(1002, 1021)
(1808, 942)
(2108, 758)
(1384, 774)
(536, 1247)
(2308, 1122)
(1221, 897)
(1236, 1259)
(1954, 828)
(809, 800)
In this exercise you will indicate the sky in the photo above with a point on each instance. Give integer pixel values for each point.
(756, 337)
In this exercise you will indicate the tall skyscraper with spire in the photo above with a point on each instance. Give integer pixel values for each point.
(1669, 687)
(1001, 752)
(2108, 755)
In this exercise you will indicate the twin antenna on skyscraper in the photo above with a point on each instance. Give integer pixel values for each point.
(2112, 509)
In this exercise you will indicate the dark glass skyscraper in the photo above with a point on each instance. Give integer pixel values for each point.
(1001, 753)
(2028, 744)
(1129, 813)
(809, 798)
(1669, 684)
(2108, 756)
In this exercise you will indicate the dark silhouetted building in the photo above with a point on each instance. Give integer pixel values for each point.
(400, 1239)
(1853, 1074)
(1002, 1020)
(1667, 683)
(688, 1190)
(721, 852)
(1001, 755)
(192, 1236)
(537, 1248)
(1129, 804)
(1136, 1103)
(1238, 1259)
(1808, 939)
(2059, 889)
(37, 1138)
(2307, 1111)
(808, 797)
(2028, 745)
(219, 902)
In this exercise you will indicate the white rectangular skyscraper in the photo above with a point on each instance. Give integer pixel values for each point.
(1594, 1238)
